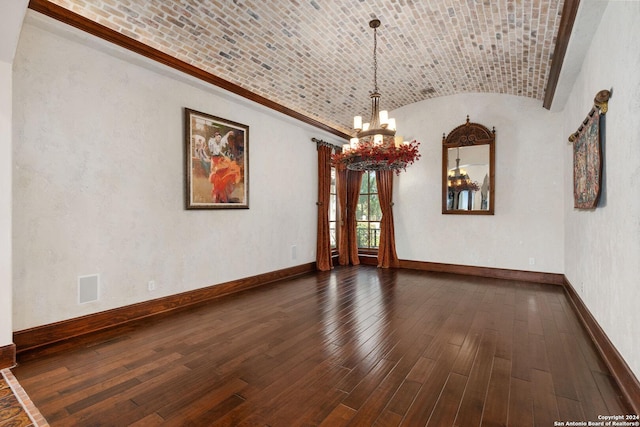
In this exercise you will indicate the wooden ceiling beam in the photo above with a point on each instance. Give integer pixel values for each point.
(569, 12)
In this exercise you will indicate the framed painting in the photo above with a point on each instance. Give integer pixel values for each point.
(587, 155)
(217, 162)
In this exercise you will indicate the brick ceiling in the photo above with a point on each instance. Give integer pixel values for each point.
(316, 56)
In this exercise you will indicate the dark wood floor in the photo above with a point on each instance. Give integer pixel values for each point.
(357, 346)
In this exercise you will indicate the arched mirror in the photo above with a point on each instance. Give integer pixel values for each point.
(468, 183)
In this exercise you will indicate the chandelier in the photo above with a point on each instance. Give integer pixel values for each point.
(375, 145)
(459, 180)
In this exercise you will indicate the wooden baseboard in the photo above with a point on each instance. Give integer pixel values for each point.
(45, 335)
(494, 273)
(368, 259)
(7, 356)
(618, 368)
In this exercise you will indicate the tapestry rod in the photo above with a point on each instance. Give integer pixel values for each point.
(600, 102)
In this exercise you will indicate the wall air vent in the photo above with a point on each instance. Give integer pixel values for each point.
(88, 288)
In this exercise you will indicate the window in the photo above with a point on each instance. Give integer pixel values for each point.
(333, 210)
(368, 213)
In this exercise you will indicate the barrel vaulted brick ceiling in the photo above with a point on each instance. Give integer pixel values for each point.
(316, 56)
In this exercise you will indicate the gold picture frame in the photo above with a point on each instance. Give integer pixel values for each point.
(216, 155)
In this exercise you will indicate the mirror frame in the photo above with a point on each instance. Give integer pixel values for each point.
(465, 135)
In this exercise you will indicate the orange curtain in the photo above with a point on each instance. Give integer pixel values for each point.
(348, 192)
(354, 179)
(387, 256)
(343, 230)
(323, 245)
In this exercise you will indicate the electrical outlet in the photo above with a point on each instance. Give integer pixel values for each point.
(151, 286)
(294, 252)
(532, 261)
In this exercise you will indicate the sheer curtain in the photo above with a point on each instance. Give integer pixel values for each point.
(323, 242)
(387, 256)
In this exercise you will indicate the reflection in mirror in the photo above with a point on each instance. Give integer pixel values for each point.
(468, 178)
(468, 170)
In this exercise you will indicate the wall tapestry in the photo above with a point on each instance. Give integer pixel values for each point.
(587, 155)
(217, 162)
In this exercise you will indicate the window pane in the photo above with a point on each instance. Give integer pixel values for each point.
(374, 234)
(373, 186)
(332, 190)
(332, 208)
(362, 234)
(332, 234)
(364, 184)
(362, 210)
(375, 213)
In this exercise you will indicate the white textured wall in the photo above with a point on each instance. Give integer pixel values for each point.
(10, 23)
(528, 220)
(5, 204)
(99, 187)
(602, 246)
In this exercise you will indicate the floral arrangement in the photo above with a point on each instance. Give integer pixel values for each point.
(368, 155)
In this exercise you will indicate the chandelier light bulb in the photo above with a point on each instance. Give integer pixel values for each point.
(357, 123)
(384, 118)
(391, 124)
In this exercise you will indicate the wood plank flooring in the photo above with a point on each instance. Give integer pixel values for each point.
(357, 346)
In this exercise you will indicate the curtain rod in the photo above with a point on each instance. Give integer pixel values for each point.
(323, 143)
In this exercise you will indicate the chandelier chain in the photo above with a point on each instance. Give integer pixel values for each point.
(375, 60)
